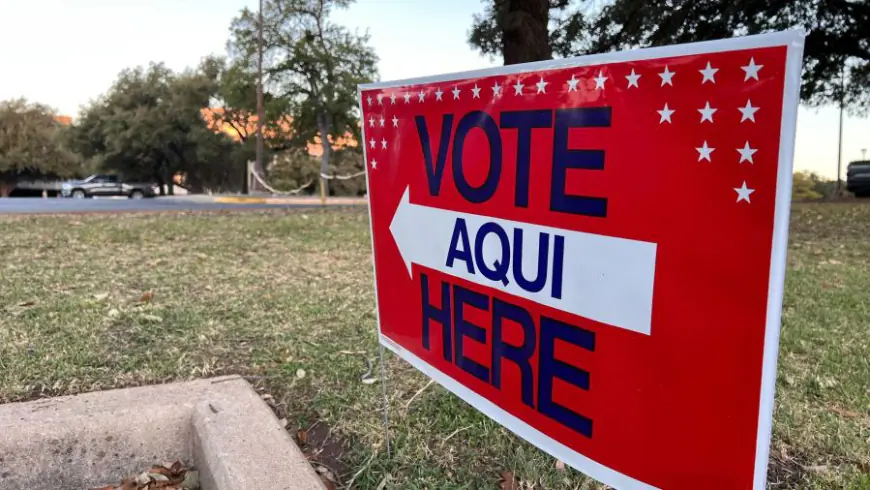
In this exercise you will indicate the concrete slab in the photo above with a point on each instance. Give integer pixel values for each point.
(219, 425)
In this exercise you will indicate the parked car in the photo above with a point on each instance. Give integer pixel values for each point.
(858, 178)
(106, 185)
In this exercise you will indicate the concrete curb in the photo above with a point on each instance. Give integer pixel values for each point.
(219, 425)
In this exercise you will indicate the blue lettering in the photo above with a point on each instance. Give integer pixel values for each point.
(464, 328)
(520, 355)
(549, 368)
(482, 120)
(524, 122)
(434, 171)
(540, 280)
(460, 232)
(500, 267)
(437, 315)
(565, 159)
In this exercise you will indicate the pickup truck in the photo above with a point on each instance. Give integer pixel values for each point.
(858, 178)
(105, 185)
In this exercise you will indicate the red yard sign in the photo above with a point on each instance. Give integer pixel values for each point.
(591, 251)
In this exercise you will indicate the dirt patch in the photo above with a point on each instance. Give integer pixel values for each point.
(325, 450)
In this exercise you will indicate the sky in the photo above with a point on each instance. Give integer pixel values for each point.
(65, 53)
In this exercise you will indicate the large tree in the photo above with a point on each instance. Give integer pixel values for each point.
(838, 38)
(149, 126)
(520, 31)
(310, 63)
(32, 144)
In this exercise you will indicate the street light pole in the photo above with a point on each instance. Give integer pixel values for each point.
(260, 115)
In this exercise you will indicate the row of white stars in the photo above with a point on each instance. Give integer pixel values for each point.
(747, 112)
(705, 151)
(667, 78)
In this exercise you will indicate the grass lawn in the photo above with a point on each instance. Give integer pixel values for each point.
(287, 297)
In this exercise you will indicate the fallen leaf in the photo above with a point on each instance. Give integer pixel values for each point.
(147, 297)
(27, 303)
(191, 480)
(326, 483)
(163, 470)
(128, 485)
(300, 373)
(152, 318)
(114, 313)
(507, 480)
(101, 296)
(302, 436)
(560, 465)
(177, 468)
(283, 423)
(845, 413)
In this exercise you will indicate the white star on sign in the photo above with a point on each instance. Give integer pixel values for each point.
(572, 84)
(381, 121)
(438, 93)
(518, 88)
(666, 114)
(707, 113)
(709, 74)
(407, 98)
(667, 77)
(542, 86)
(374, 163)
(748, 111)
(395, 122)
(421, 96)
(456, 93)
(751, 70)
(704, 152)
(384, 144)
(380, 99)
(369, 99)
(599, 80)
(372, 142)
(746, 153)
(392, 98)
(632, 79)
(372, 122)
(496, 90)
(743, 192)
(475, 92)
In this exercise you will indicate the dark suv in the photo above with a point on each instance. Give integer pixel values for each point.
(105, 185)
(858, 178)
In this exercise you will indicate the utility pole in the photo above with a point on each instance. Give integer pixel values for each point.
(840, 140)
(258, 167)
(863, 154)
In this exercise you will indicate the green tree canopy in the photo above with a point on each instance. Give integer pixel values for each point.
(838, 37)
(149, 126)
(32, 144)
(311, 64)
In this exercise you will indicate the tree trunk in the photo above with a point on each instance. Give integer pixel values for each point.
(6, 188)
(525, 35)
(324, 126)
(171, 186)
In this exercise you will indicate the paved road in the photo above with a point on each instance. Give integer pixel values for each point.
(52, 205)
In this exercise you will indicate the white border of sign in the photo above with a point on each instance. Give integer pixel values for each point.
(794, 42)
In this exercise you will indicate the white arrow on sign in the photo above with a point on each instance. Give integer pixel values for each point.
(606, 279)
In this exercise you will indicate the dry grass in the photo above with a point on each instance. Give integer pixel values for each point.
(274, 294)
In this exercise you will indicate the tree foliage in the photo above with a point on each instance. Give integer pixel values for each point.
(32, 144)
(311, 64)
(838, 36)
(149, 126)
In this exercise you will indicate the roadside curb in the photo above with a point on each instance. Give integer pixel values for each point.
(288, 200)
